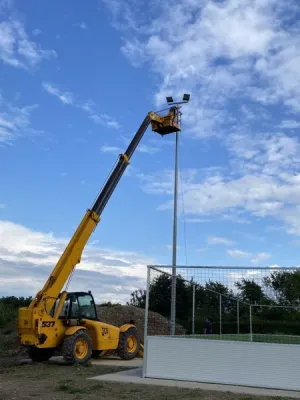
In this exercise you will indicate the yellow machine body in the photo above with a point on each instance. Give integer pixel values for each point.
(33, 327)
(44, 325)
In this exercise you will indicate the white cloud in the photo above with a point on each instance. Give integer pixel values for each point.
(212, 240)
(15, 121)
(88, 107)
(240, 61)
(289, 124)
(240, 274)
(17, 50)
(235, 219)
(134, 51)
(143, 148)
(235, 253)
(197, 220)
(255, 258)
(82, 25)
(276, 266)
(37, 32)
(259, 257)
(28, 257)
(64, 97)
(110, 149)
(262, 180)
(104, 119)
(223, 53)
(268, 153)
(113, 123)
(162, 182)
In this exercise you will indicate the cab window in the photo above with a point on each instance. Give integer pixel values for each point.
(87, 306)
(65, 309)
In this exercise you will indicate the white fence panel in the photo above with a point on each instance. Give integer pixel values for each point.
(266, 365)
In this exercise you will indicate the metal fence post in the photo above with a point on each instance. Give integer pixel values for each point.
(146, 323)
(220, 314)
(251, 331)
(193, 318)
(238, 317)
(173, 303)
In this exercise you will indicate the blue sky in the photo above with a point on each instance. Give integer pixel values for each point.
(76, 81)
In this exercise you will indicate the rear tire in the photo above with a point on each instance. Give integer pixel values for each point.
(39, 355)
(129, 344)
(77, 348)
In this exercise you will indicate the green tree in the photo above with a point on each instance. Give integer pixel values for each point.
(285, 286)
(160, 295)
(251, 292)
(9, 307)
(138, 298)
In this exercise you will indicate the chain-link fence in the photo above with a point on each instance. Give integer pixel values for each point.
(235, 326)
(158, 304)
(229, 303)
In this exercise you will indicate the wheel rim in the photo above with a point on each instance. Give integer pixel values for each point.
(81, 348)
(131, 344)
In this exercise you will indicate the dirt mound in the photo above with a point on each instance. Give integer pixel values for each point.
(115, 315)
(119, 315)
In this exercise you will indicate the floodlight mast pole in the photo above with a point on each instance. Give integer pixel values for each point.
(174, 257)
(170, 101)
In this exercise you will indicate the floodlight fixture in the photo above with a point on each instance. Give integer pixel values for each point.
(185, 99)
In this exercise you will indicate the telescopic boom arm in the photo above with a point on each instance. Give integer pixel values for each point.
(72, 254)
(118, 171)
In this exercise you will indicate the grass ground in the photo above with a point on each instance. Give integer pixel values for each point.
(61, 382)
(285, 339)
(50, 381)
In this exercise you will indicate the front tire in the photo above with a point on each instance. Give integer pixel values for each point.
(39, 355)
(129, 344)
(77, 348)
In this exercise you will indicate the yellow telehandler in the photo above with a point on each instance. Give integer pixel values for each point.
(68, 322)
